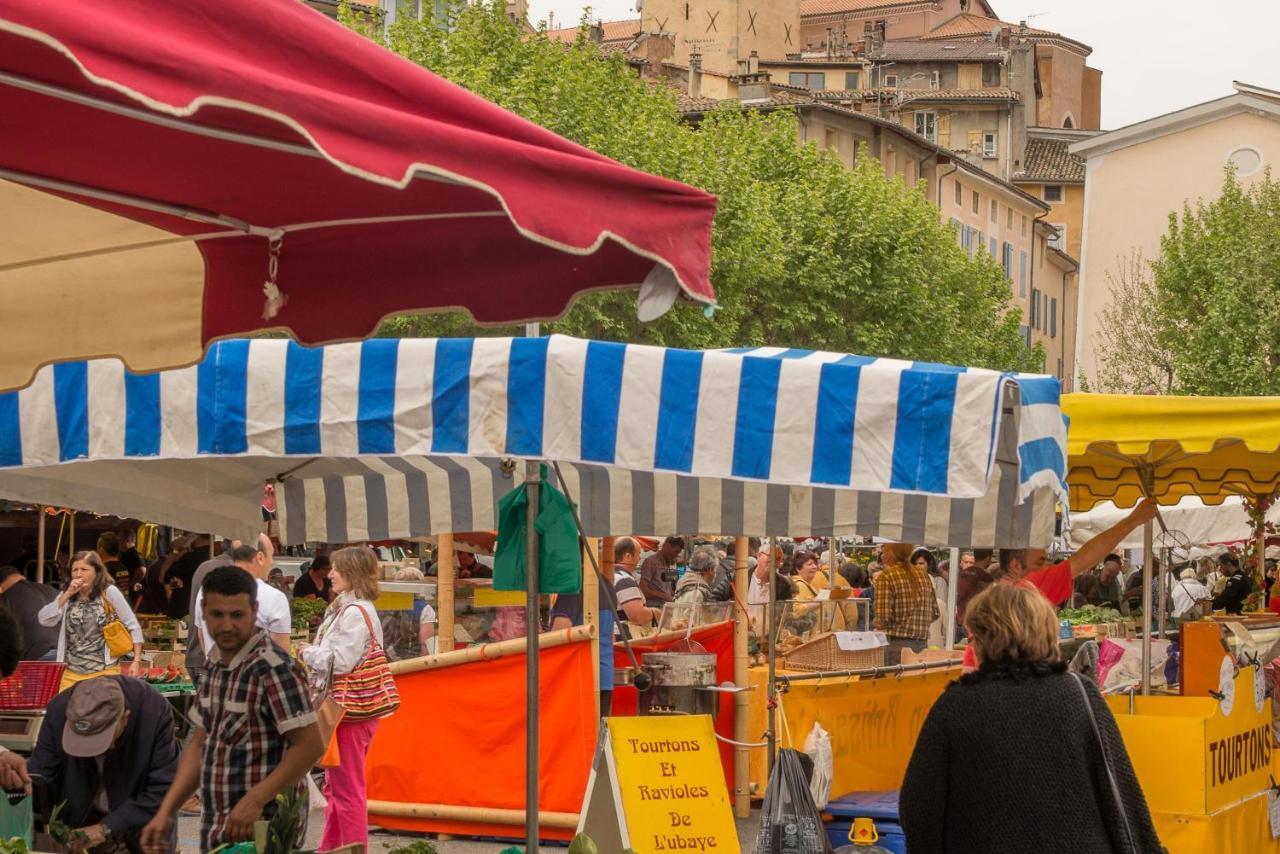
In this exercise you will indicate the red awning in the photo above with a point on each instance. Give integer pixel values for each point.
(152, 154)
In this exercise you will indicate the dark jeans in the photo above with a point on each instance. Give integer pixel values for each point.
(893, 655)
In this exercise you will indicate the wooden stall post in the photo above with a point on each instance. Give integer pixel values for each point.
(591, 614)
(40, 544)
(71, 543)
(741, 677)
(444, 592)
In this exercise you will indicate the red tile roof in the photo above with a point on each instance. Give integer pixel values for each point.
(613, 31)
(968, 26)
(993, 94)
(814, 8)
(1048, 160)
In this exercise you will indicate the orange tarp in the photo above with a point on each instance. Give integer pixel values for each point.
(458, 739)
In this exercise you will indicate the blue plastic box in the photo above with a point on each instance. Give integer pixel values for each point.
(881, 807)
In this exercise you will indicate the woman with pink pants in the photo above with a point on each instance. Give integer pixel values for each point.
(349, 634)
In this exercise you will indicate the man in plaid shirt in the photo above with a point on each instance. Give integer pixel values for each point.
(905, 601)
(255, 731)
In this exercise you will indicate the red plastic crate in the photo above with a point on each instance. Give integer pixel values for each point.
(31, 686)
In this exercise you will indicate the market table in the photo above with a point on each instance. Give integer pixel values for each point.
(181, 695)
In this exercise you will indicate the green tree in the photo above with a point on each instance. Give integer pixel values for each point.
(806, 252)
(1217, 287)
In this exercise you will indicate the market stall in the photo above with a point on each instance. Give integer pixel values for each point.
(399, 439)
(1122, 448)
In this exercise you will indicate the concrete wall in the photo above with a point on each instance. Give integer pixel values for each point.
(833, 73)
(725, 31)
(1132, 191)
(904, 25)
(1055, 290)
(1069, 212)
(1091, 107)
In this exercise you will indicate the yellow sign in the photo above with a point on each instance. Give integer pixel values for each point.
(657, 787)
(1237, 746)
(487, 597)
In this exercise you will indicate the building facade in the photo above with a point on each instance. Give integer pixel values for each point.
(1138, 175)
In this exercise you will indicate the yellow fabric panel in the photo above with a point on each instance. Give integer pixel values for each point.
(1206, 446)
(137, 294)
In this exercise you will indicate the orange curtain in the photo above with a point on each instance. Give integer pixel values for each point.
(458, 739)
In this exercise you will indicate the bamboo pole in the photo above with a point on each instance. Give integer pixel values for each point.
(444, 592)
(591, 617)
(490, 651)
(479, 815)
(741, 678)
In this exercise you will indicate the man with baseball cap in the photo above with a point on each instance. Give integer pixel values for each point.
(108, 750)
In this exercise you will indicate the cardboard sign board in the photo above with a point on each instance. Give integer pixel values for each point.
(657, 786)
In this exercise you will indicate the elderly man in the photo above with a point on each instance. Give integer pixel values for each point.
(107, 751)
(695, 585)
(1102, 588)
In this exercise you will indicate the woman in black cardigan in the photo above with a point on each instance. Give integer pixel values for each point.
(1009, 759)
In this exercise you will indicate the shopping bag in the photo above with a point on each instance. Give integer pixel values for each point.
(16, 816)
(789, 820)
(328, 715)
(817, 746)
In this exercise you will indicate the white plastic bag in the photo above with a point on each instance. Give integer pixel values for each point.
(817, 746)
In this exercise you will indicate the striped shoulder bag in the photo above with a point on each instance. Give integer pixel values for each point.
(369, 690)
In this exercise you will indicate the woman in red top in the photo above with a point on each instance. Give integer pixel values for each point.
(1029, 566)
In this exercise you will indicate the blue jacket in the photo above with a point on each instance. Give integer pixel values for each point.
(137, 772)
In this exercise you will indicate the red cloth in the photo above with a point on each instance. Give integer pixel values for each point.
(524, 219)
(1274, 605)
(717, 639)
(1052, 581)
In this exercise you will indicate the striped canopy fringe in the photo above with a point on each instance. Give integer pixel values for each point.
(735, 434)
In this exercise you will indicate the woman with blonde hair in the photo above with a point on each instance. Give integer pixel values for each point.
(1021, 755)
(90, 603)
(347, 642)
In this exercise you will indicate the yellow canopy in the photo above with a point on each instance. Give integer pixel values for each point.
(1206, 446)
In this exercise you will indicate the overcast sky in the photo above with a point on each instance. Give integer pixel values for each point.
(1156, 55)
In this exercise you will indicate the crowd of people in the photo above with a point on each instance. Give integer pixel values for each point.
(108, 748)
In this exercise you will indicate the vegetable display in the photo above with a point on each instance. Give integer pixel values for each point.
(1089, 615)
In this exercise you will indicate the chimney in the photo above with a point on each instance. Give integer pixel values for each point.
(597, 32)
(753, 63)
(695, 75)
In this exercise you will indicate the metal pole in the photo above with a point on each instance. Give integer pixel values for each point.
(953, 582)
(1147, 558)
(741, 676)
(532, 481)
(888, 670)
(71, 543)
(771, 619)
(1163, 583)
(40, 543)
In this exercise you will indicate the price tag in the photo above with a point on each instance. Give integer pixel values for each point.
(1273, 812)
(857, 641)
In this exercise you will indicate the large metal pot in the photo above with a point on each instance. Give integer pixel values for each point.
(680, 683)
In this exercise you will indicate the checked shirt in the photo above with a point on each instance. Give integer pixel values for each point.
(906, 603)
(245, 708)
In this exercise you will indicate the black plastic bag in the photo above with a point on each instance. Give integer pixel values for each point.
(789, 821)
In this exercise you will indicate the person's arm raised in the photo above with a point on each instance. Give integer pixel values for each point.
(1092, 553)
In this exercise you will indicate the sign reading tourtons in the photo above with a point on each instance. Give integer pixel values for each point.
(657, 786)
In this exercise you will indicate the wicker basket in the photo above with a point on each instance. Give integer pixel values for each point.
(823, 654)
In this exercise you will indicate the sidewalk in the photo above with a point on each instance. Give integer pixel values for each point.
(380, 842)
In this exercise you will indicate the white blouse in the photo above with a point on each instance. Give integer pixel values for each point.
(344, 636)
(53, 614)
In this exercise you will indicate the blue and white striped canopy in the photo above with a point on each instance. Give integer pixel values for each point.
(788, 418)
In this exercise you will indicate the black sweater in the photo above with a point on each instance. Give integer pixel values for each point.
(1007, 761)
